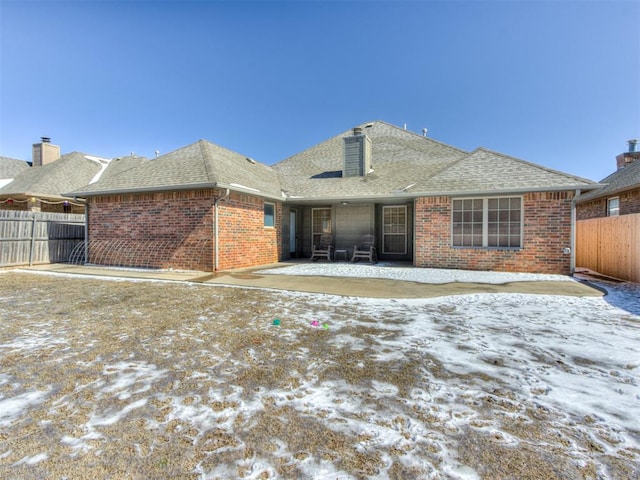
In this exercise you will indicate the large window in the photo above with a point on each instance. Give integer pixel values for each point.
(487, 222)
(613, 206)
(269, 214)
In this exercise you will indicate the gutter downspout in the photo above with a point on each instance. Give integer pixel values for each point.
(215, 227)
(86, 233)
(572, 257)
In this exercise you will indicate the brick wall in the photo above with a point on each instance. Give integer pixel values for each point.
(244, 240)
(547, 230)
(159, 230)
(177, 230)
(629, 203)
(592, 209)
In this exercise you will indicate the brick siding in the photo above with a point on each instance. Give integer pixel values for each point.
(244, 240)
(177, 230)
(547, 231)
(629, 203)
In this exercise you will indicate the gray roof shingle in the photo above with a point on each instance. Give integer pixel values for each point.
(69, 172)
(199, 165)
(403, 164)
(402, 159)
(622, 179)
(10, 167)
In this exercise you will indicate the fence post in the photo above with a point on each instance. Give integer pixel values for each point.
(33, 239)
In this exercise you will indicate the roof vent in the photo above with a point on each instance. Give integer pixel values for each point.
(45, 139)
(358, 131)
(633, 144)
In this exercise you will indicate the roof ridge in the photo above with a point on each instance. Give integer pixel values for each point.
(416, 134)
(207, 159)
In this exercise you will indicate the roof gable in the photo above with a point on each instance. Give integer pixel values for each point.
(487, 171)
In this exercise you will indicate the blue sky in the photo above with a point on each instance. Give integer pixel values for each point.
(552, 82)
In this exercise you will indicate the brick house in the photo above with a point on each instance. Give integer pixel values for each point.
(621, 192)
(203, 207)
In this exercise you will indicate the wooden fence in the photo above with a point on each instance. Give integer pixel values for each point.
(610, 245)
(28, 238)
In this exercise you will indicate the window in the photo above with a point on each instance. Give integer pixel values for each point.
(320, 223)
(467, 223)
(613, 207)
(269, 214)
(487, 222)
(394, 230)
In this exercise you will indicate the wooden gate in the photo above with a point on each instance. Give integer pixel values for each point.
(28, 238)
(610, 245)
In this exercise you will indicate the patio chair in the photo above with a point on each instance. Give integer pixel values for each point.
(366, 249)
(324, 248)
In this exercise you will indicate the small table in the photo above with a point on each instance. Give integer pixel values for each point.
(338, 253)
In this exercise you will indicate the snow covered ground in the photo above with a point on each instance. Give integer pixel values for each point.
(465, 387)
(621, 294)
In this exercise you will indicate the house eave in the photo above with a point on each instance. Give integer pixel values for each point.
(607, 194)
(120, 191)
(173, 188)
(27, 195)
(396, 196)
(514, 191)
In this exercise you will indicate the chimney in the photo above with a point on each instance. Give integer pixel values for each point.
(630, 156)
(44, 152)
(357, 154)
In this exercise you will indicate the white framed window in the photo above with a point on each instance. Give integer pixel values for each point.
(320, 223)
(613, 206)
(487, 222)
(394, 229)
(269, 214)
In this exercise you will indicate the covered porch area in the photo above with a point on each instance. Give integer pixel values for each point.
(390, 222)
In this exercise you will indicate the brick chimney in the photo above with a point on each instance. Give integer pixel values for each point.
(44, 152)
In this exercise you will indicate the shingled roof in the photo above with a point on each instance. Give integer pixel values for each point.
(10, 167)
(407, 164)
(199, 165)
(69, 172)
(626, 178)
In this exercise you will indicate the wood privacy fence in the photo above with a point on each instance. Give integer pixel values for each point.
(28, 238)
(610, 245)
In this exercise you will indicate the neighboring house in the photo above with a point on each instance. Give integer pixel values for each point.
(10, 168)
(41, 186)
(203, 207)
(621, 193)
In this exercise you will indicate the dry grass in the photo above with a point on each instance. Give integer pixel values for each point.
(214, 350)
